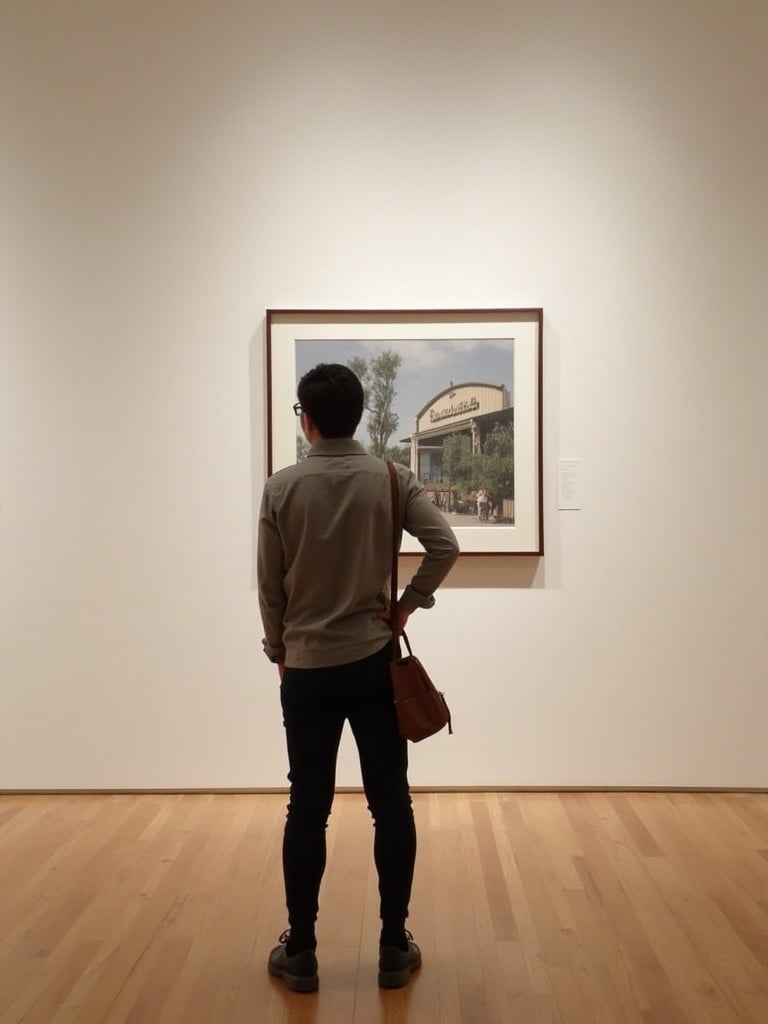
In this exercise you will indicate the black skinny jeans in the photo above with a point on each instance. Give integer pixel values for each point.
(315, 703)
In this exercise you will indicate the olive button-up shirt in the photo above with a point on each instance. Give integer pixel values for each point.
(325, 554)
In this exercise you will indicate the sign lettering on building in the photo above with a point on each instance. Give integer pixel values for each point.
(454, 409)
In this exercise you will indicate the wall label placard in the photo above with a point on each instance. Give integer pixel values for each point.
(569, 484)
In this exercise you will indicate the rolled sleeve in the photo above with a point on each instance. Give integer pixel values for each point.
(423, 520)
(275, 652)
(410, 600)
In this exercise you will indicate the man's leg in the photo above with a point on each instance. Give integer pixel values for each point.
(384, 765)
(313, 725)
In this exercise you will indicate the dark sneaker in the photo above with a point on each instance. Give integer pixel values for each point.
(298, 972)
(397, 965)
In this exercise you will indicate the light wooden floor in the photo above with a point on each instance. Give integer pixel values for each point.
(559, 908)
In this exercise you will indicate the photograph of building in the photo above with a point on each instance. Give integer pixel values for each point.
(452, 450)
(443, 408)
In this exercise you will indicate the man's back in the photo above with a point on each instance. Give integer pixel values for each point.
(325, 554)
(333, 514)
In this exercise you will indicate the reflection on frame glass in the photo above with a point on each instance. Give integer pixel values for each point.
(454, 395)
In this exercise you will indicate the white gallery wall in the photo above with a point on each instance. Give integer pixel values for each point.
(171, 168)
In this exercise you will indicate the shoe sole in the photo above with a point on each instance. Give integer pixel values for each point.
(397, 979)
(295, 983)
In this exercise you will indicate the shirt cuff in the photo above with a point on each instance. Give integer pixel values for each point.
(275, 652)
(411, 599)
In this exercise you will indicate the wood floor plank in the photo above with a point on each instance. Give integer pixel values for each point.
(707, 886)
(537, 908)
(607, 925)
(656, 893)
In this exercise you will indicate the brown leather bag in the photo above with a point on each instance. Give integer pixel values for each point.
(421, 707)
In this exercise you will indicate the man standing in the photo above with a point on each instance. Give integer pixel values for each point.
(324, 560)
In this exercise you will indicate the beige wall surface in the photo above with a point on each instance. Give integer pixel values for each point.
(171, 169)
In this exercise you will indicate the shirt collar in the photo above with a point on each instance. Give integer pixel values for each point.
(336, 446)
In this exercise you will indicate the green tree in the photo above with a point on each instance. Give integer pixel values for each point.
(398, 453)
(458, 462)
(496, 466)
(378, 376)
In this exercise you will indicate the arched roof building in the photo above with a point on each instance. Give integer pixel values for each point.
(471, 408)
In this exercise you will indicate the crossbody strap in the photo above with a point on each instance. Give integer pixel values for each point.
(395, 546)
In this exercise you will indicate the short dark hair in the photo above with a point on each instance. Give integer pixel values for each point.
(333, 396)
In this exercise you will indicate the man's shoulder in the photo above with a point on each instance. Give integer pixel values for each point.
(403, 470)
(286, 473)
(282, 479)
(407, 477)
(314, 466)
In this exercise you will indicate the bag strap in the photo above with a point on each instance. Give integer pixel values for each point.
(395, 489)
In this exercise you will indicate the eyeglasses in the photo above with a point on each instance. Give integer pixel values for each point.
(297, 409)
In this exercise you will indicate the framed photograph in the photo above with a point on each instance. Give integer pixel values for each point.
(456, 395)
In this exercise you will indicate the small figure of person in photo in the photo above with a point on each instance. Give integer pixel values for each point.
(482, 504)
